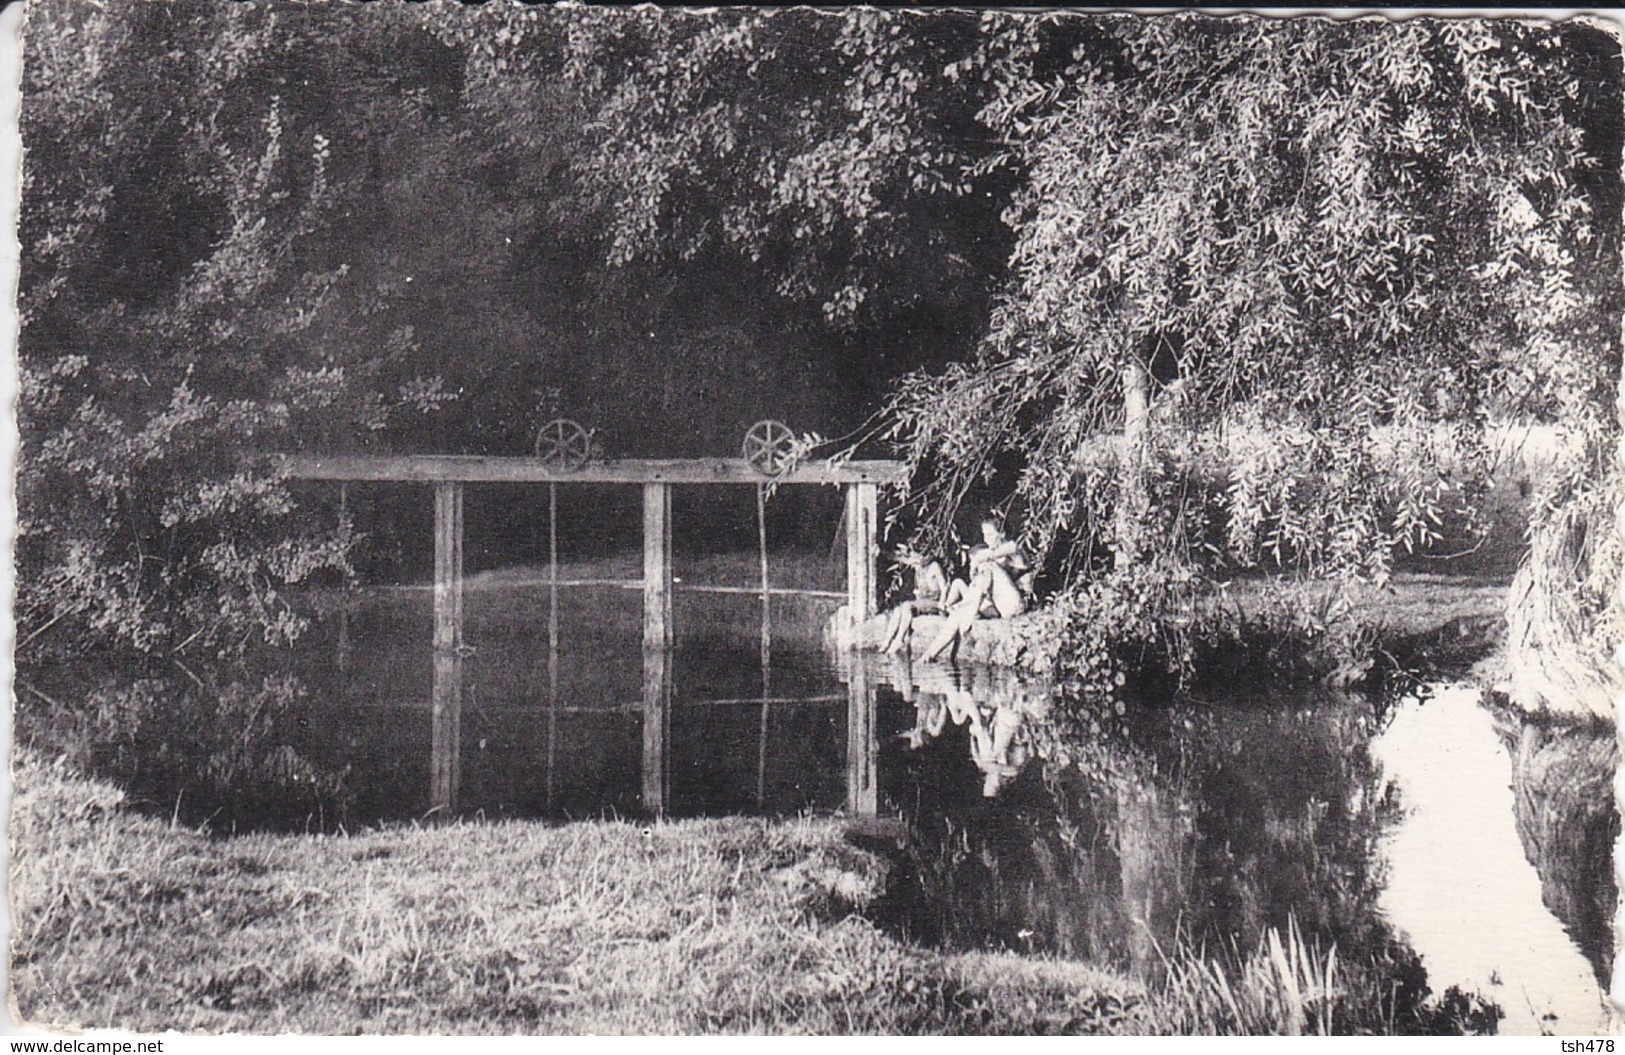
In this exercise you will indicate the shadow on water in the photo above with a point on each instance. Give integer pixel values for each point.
(1562, 780)
(1036, 821)
(1042, 822)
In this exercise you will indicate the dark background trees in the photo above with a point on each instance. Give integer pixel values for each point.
(254, 229)
(1321, 256)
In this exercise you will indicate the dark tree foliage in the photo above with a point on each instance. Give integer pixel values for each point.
(1273, 280)
(827, 147)
(1333, 249)
(1326, 253)
(1244, 291)
(238, 222)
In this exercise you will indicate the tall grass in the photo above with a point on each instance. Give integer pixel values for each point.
(1284, 987)
(736, 926)
(1290, 986)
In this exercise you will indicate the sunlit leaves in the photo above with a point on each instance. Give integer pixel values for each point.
(1318, 234)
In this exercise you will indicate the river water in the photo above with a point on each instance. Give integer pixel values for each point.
(1465, 887)
(1462, 845)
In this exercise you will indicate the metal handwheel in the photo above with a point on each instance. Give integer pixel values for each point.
(769, 446)
(563, 444)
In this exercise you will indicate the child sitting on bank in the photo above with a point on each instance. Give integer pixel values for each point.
(999, 587)
(930, 597)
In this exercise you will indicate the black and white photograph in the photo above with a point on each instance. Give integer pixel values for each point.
(580, 520)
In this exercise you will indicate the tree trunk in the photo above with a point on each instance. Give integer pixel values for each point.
(1134, 498)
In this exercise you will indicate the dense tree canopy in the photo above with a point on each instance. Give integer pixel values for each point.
(1337, 248)
(1373, 236)
(212, 273)
(1294, 265)
(820, 145)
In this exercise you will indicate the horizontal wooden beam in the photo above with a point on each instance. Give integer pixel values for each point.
(623, 584)
(464, 468)
(531, 707)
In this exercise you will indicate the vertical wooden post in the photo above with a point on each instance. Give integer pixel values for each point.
(552, 581)
(448, 640)
(767, 647)
(761, 544)
(860, 551)
(862, 795)
(656, 566)
(657, 639)
(344, 601)
(552, 636)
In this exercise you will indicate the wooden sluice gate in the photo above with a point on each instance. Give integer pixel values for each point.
(449, 474)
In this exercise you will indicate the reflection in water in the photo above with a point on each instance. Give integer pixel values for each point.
(1027, 837)
(1208, 822)
(1037, 822)
(991, 705)
(1562, 784)
(1459, 885)
(656, 717)
(556, 722)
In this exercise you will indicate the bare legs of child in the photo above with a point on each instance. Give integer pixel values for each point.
(930, 583)
(898, 626)
(991, 586)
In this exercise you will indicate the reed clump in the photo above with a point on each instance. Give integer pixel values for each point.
(1289, 985)
(1284, 987)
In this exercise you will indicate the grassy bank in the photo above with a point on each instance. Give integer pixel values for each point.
(1425, 624)
(720, 926)
(692, 927)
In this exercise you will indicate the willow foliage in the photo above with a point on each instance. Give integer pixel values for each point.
(1338, 247)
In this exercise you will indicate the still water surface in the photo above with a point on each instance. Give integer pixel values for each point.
(1429, 829)
(1460, 884)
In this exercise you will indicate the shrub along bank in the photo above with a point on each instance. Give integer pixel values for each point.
(1161, 629)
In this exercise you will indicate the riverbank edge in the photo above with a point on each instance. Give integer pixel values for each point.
(1413, 619)
(1304, 628)
(709, 926)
